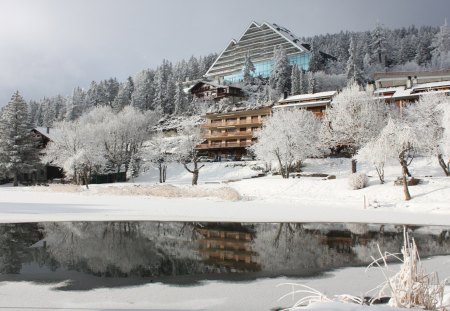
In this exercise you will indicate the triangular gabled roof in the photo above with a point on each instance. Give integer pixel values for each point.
(284, 36)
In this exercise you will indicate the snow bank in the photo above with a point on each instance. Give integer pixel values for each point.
(171, 191)
(59, 188)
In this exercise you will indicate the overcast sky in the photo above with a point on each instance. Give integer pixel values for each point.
(48, 47)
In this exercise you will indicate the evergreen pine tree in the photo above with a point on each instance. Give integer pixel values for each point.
(295, 81)
(179, 99)
(18, 153)
(316, 62)
(311, 83)
(279, 77)
(353, 67)
(378, 45)
(124, 94)
(441, 46)
(248, 69)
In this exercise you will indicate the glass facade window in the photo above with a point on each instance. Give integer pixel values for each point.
(264, 68)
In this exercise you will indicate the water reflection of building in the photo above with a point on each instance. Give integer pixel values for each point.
(228, 246)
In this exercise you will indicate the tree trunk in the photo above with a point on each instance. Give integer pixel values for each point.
(281, 167)
(164, 173)
(160, 172)
(194, 177)
(405, 173)
(353, 166)
(443, 165)
(16, 179)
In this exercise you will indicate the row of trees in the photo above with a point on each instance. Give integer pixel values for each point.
(100, 142)
(366, 127)
(358, 55)
(157, 89)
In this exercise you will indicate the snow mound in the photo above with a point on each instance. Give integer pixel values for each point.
(59, 188)
(171, 191)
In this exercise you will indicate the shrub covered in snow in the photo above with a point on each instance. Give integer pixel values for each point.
(358, 180)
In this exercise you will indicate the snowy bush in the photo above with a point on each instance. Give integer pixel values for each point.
(358, 181)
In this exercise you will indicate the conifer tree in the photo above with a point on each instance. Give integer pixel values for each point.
(248, 69)
(311, 83)
(279, 78)
(18, 152)
(316, 62)
(295, 81)
(353, 65)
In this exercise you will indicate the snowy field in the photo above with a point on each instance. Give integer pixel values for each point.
(225, 195)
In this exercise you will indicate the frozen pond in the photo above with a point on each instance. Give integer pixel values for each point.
(89, 255)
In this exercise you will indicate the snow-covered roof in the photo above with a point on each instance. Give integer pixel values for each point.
(388, 89)
(307, 97)
(431, 85)
(402, 92)
(317, 103)
(50, 133)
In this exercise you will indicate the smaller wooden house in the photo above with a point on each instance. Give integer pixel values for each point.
(207, 89)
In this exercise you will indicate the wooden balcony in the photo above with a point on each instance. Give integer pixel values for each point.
(231, 124)
(228, 135)
(242, 144)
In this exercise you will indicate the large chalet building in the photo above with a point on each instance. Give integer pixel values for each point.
(230, 133)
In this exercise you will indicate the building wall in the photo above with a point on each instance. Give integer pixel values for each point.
(231, 133)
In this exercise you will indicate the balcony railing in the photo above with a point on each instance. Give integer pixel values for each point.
(228, 134)
(224, 145)
(232, 123)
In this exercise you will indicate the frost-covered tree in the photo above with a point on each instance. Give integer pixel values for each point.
(399, 140)
(144, 93)
(248, 69)
(99, 142)
(190, 137)
(124, 94)
(296, 87)
(312, 83)
(279, 77)
(18, 152)
(288, 137)
(75, 148)
(353, 65)
(427, 116)
(159, 151)
(378, 45)
(354, 118)
(75, 104)
(317, 61)
(441, 47)
(445, 142)
(180, 100)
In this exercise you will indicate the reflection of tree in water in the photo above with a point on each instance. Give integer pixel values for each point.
(121, 248)
(15, 240)
(283, 247)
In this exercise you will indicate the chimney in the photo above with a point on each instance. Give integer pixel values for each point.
(408, 83)
(48, 130)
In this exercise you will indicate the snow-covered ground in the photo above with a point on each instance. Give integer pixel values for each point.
(266, 199)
